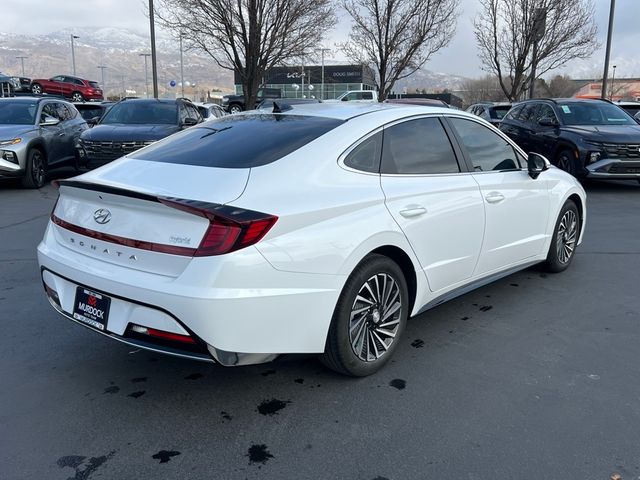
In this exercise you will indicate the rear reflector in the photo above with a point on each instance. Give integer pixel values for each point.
(161, 334)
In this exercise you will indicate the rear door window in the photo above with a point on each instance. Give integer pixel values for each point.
(486, 149)
(417, 147)
(239, 141)
(366, 156)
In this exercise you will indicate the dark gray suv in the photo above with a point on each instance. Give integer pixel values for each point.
(35, 135)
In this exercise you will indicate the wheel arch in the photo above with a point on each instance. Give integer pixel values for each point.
(581, 211)
(39, 144)
(405, 263)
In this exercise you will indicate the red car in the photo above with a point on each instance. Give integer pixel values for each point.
(77, 89)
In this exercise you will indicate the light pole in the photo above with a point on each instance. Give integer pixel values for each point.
(154, 66)
(146, 73)
(181, 69)
(613, 83)
(612, 8)
(102, 68)
(22, 57)
(73, 53)
(322, 50)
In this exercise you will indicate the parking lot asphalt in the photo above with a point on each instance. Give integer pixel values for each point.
(532, 377)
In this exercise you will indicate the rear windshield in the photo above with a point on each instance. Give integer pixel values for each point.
(238, 141)
(500, 112)
(596, 113)
(142, 113)
(94, 84)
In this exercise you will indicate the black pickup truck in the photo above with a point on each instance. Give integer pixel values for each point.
(235, 103)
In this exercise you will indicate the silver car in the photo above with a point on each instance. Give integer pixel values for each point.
(37, 134)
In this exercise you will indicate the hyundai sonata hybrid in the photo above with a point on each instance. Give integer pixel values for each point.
(314, 229)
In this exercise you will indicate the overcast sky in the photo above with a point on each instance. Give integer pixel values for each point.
(458, 58)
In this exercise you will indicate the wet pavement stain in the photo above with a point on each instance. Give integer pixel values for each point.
(486, 308)
(381, 478)
(543, 275)
(165, 455)
(225, 415)
(273, 406)
(267, 373)
(194, 376)
(259, 454)
(138, 379)
(299, 380)
(137, 394)
(111, 389)
(78, 461)
(464, 319)
(514, 284)
(398, 383)
(417, 343)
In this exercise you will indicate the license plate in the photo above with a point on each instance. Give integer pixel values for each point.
(91, 308)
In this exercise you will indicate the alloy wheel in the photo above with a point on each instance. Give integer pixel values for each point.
(567, 236)
(37, 169)
(375, 317)
(36, 89)
(76, 97)
(564, 162)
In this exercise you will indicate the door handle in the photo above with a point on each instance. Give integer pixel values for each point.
(413, 211)
(494, 197)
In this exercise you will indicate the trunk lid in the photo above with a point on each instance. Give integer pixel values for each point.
(113, 214)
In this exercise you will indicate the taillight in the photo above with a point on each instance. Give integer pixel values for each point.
(229, 228)
(161, 334)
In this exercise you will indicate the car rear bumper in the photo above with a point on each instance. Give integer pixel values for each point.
(613, 168)
(238, 318)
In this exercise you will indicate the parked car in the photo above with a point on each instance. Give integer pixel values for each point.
(587, 138)
(268, 104)
(258, 234)
(36, 134)
(358, 96)
(77, 89)
(236, 103)
(133, 124)
(21, 84)
(210, 110)
(632, 108)
(92, 112)
(432, 102)
(492, 112)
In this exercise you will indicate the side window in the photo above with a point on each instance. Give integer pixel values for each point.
(183, 112)
(484, 113)
(68, 80)
(59, 78)
(367, 95)
(366, 156)
(49, 110)
(418, 146)
(63, 112)
(528, 113)
(545, 111)
(192, 112)
(514, 112)
(486, 149)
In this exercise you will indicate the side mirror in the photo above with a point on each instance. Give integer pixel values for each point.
(548, 122)
(189, 122)
(92, 122)
(49, 121)
(536, 164)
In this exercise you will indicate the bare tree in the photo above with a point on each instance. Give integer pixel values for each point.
(561, 86)
(506, 31)
(397, 37)
(249, 36)
(485, 89)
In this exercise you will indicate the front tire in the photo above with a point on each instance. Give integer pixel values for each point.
(565, 238)
(565, 161)
(36, 170)
(369, 318)
(36, 89)
(77, 97)
(235, 108)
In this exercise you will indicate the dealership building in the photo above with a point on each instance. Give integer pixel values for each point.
(301, 82)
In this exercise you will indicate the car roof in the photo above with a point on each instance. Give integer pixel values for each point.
(29, 99)
(340, 111)
(151, 100)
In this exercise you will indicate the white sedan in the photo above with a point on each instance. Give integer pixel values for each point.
(315, 229)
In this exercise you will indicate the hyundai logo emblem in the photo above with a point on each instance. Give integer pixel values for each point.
(102, 216)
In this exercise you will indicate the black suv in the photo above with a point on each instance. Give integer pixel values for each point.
(235, 103)
(593, 138)
(492, 112)
(132, 124)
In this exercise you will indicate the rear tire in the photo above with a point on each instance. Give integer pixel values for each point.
(36, 89)
(565, 238)
(36, 169)
(77, 97)
(369, 318)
